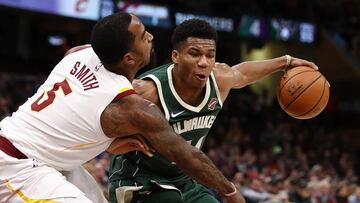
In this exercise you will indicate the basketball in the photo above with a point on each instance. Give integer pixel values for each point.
(303, 92)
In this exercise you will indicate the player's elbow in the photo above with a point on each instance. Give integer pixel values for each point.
(242, 80)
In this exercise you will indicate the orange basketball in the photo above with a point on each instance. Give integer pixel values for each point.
(303, 92)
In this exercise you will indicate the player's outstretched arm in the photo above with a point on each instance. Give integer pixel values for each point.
(134, 115)
(248, 72)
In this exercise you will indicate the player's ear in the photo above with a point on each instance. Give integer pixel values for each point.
(129, 58)
(175, 56)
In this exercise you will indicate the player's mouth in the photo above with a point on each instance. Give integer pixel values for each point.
(201, 77)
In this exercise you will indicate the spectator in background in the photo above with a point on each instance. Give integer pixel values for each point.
(256, 191)
(322, 192)
(355, 196)
(298, 192)
(4, 107)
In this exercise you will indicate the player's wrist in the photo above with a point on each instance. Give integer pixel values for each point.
(230, 194)
(287, 61)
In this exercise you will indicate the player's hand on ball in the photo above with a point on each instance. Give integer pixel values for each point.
(292, 62)
(123, 145)
(303, 92)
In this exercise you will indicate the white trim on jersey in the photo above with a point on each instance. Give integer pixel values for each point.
(161, 95)
(216, 89)
(124, 194)
(196, 109)
(166, 187)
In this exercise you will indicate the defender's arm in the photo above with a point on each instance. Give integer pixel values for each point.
(134, 115)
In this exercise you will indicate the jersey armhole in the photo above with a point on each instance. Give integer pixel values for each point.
(216, 89)
(157, 83)
(123, 94)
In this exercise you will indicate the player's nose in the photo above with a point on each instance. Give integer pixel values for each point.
(203, 62)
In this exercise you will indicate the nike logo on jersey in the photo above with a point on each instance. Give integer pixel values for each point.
(173, 115)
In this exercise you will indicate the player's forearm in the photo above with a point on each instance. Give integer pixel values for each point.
(134, 115)
(192, 161)
(199, 167)
(253, 71)
(189, 159)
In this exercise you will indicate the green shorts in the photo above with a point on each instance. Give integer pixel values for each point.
(157, 190)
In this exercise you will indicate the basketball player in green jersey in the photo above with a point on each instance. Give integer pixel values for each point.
(190, 92)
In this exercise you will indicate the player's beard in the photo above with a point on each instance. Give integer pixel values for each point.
(153, 58)
(152, 63)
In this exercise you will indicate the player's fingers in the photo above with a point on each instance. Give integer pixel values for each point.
(136, 144)
(147, 145)
(313, 65)
(148, 153)
(301, 62)
(139, 145)
(143, 141)
(295, 62)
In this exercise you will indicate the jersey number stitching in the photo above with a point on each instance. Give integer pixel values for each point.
(65, 87)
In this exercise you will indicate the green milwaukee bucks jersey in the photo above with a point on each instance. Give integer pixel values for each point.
(191, 122)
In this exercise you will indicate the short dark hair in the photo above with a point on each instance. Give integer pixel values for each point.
(111, 39)
(193, 28)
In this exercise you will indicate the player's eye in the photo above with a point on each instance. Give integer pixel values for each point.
(212, 55)
(194, 53)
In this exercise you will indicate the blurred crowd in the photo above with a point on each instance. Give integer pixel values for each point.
(341, 18)
(270, 156)
(274, 158)
(14, 91)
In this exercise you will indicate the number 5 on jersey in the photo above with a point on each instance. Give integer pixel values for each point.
(39, 105)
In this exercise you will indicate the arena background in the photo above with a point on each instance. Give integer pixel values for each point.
(275, 158)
